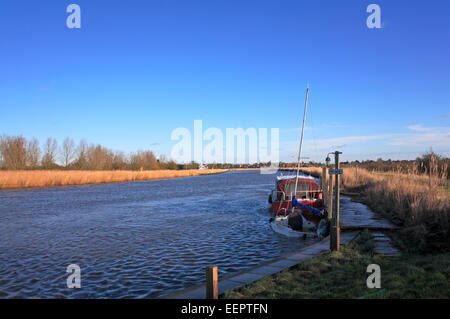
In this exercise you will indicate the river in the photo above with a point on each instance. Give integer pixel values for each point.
(135, 240)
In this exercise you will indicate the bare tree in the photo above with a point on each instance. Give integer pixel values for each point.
(144, 160)
(50, 148)
(2, 151)
(81, 160)
(119, 161)
(99, 157)
(13, 152)
(33, 153)
(68, 151)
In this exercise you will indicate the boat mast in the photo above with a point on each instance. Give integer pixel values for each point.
(301, 142)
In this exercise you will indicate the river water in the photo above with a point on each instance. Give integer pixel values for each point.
(135, 240)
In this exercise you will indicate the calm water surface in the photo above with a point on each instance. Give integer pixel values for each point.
(135, 240)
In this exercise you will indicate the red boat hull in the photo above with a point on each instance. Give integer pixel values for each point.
(308, 193)
(284, 207)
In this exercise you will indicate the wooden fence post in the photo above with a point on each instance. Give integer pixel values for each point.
(330, 210)
(324, 184)
(330, 197)
(212, 283)
(335, 229)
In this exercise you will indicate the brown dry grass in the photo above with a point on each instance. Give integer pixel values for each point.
(49, 178)
(420, 204)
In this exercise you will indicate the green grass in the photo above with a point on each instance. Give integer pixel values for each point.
(343, 275)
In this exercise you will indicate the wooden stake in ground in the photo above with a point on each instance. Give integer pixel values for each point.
(324, 185)
(335, 229)
(212, 283)
(330, 196)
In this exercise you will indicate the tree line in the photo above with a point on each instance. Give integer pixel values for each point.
(18, 153)
(429, 163)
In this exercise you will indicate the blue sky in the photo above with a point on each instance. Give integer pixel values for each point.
(136, 70)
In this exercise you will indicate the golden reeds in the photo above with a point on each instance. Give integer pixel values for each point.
(419, 202)
(49, 178)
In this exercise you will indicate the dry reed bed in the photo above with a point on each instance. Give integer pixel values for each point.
(419, 203)
(49, 178)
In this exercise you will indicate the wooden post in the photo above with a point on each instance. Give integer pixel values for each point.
(324, 184)
(336, 228)
(335, 238)
(330, 212)
(212, 283)
(330, 197)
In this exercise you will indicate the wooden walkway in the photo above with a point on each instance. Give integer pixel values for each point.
(353, 216)
(268, 268)
(383, 245)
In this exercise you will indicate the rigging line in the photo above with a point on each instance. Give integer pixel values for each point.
(310, 111)
(301, 142)
(293, 155)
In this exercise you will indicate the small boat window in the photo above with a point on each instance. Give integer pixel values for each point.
(303, 190)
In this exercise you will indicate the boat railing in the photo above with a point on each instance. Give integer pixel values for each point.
(288, 198)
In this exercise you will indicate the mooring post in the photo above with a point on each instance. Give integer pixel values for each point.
(330, 197)
(330, 204)
(329, 200)
(336, 228)
(324, 184)
(329, 188)
(212, 283)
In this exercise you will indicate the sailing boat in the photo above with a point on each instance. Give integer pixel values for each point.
(297, 202)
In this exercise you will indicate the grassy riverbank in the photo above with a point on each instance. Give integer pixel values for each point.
(420, 205)
(343, 275)
(49, 178)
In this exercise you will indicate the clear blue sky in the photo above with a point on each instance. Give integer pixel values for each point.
(136, 70)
